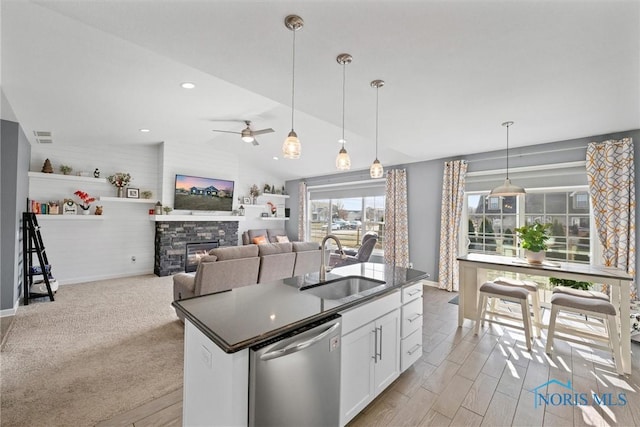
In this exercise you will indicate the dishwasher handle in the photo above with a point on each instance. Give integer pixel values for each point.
(298, 346)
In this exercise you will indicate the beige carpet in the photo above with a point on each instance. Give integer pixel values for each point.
(100, 349)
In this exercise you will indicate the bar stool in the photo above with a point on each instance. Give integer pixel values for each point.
(532, 287)
(509, 293)
(594, 306)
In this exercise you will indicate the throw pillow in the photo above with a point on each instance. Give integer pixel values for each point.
(260, 240)
(282, 239)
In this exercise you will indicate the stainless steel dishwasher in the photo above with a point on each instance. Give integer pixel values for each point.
(295, 381)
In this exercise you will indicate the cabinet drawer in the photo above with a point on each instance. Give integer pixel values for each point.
(411, 317)
(358, 316)
(411, 292)
(410, 350)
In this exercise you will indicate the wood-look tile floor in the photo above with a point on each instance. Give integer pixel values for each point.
(467, 380)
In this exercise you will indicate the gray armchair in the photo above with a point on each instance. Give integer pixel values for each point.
(361, 255)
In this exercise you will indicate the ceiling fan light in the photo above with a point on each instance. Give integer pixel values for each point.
(343, 161)
(507, 189)
(246, 135)
(376, 170)
(291, 148)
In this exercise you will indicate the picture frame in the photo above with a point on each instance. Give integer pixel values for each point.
(246, 200)
(264, 215)
(133, 193)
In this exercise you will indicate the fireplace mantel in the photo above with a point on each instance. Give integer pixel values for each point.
(189, 218)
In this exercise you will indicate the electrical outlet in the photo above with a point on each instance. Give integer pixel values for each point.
(133, 258)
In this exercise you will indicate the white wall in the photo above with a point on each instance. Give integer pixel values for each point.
(91, 250)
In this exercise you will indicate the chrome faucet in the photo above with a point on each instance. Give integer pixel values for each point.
(323, 265)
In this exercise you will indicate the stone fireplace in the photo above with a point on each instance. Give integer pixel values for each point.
(172, 237)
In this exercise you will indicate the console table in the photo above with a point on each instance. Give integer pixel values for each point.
(473, 273)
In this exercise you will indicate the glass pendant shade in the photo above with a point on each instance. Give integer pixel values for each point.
(291, 147)
(343, 162)
(376, 170)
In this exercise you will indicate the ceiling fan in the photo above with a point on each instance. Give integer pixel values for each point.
(247, 134)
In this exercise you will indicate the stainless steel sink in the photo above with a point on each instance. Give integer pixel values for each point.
(350, 287)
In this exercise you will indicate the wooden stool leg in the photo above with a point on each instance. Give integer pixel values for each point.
(482, 304)
(535, 302)
(526, 321)
(614, 342)
(552, 328)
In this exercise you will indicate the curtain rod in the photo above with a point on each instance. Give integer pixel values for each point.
(579, 163)
(344, 184)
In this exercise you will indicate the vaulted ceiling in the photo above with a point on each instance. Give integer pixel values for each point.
(95, 72)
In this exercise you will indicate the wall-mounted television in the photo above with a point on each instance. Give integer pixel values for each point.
(195, 193)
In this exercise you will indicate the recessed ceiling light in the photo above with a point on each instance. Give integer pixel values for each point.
(145, 130)
(275, 157)
(187, 85)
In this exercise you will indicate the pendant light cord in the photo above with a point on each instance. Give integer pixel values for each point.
(508, 150)
(344, 78)
(293, 77)
(377, 90)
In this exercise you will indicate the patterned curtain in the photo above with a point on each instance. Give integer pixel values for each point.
(302, 211)
(450, 214)
(396, 225)
(610, 170)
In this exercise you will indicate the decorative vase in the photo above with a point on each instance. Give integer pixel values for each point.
(534, 257)
(120, 191)
(85, 211)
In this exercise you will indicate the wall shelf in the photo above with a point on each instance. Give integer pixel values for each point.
(60, 177)
(194, 218)
(126, 200)
(265, 197)
(69, 217)
(271, 218)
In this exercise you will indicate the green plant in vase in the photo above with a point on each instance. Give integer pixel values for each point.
(533, 238)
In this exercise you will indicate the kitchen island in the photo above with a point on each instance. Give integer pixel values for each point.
(221, 329)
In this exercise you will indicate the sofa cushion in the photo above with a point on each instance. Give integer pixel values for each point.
(256, 233)
(274, 248)
(282, 239)
(272, 233)
(260, 240)
(305, 246)
(208, 258)
(235, 252)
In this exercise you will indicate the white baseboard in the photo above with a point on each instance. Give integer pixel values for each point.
(10, 311)
(430, 283)
(84, 279)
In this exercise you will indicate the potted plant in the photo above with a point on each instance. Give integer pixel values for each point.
(533, 238)
(86, 201)
(66, 170)
(254, 192)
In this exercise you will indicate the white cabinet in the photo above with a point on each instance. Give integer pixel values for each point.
(411, 329)
(370, 353)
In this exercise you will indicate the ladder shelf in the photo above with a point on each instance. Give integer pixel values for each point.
(32, 244)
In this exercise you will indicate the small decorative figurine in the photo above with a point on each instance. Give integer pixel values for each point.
(69, 207)
(47, 168)
(98, 210)
(96, 174)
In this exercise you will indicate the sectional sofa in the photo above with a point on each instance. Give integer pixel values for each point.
(231, 267)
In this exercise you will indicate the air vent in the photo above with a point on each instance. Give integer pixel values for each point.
(43, 136)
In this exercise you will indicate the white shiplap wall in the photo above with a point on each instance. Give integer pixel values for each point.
(82, 250)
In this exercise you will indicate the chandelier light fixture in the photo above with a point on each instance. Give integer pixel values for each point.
(376, 170)
(343, 162)
(507, 188)
(291, 148)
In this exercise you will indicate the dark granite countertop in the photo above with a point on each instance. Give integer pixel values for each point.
(247, 316)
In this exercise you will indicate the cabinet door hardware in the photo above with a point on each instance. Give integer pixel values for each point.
(375, 346)
(380, 353)
(414, 349)
(414, 318)
(413, 292)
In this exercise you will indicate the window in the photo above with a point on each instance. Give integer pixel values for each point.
(491, 223)
(348, 211)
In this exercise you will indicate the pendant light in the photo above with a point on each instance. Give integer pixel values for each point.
(507, 189)
(376, 170)
(343, 162)
(291, 148)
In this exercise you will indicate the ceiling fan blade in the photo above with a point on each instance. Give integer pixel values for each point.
(225, 131)
(263, 131)
(255, 142)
